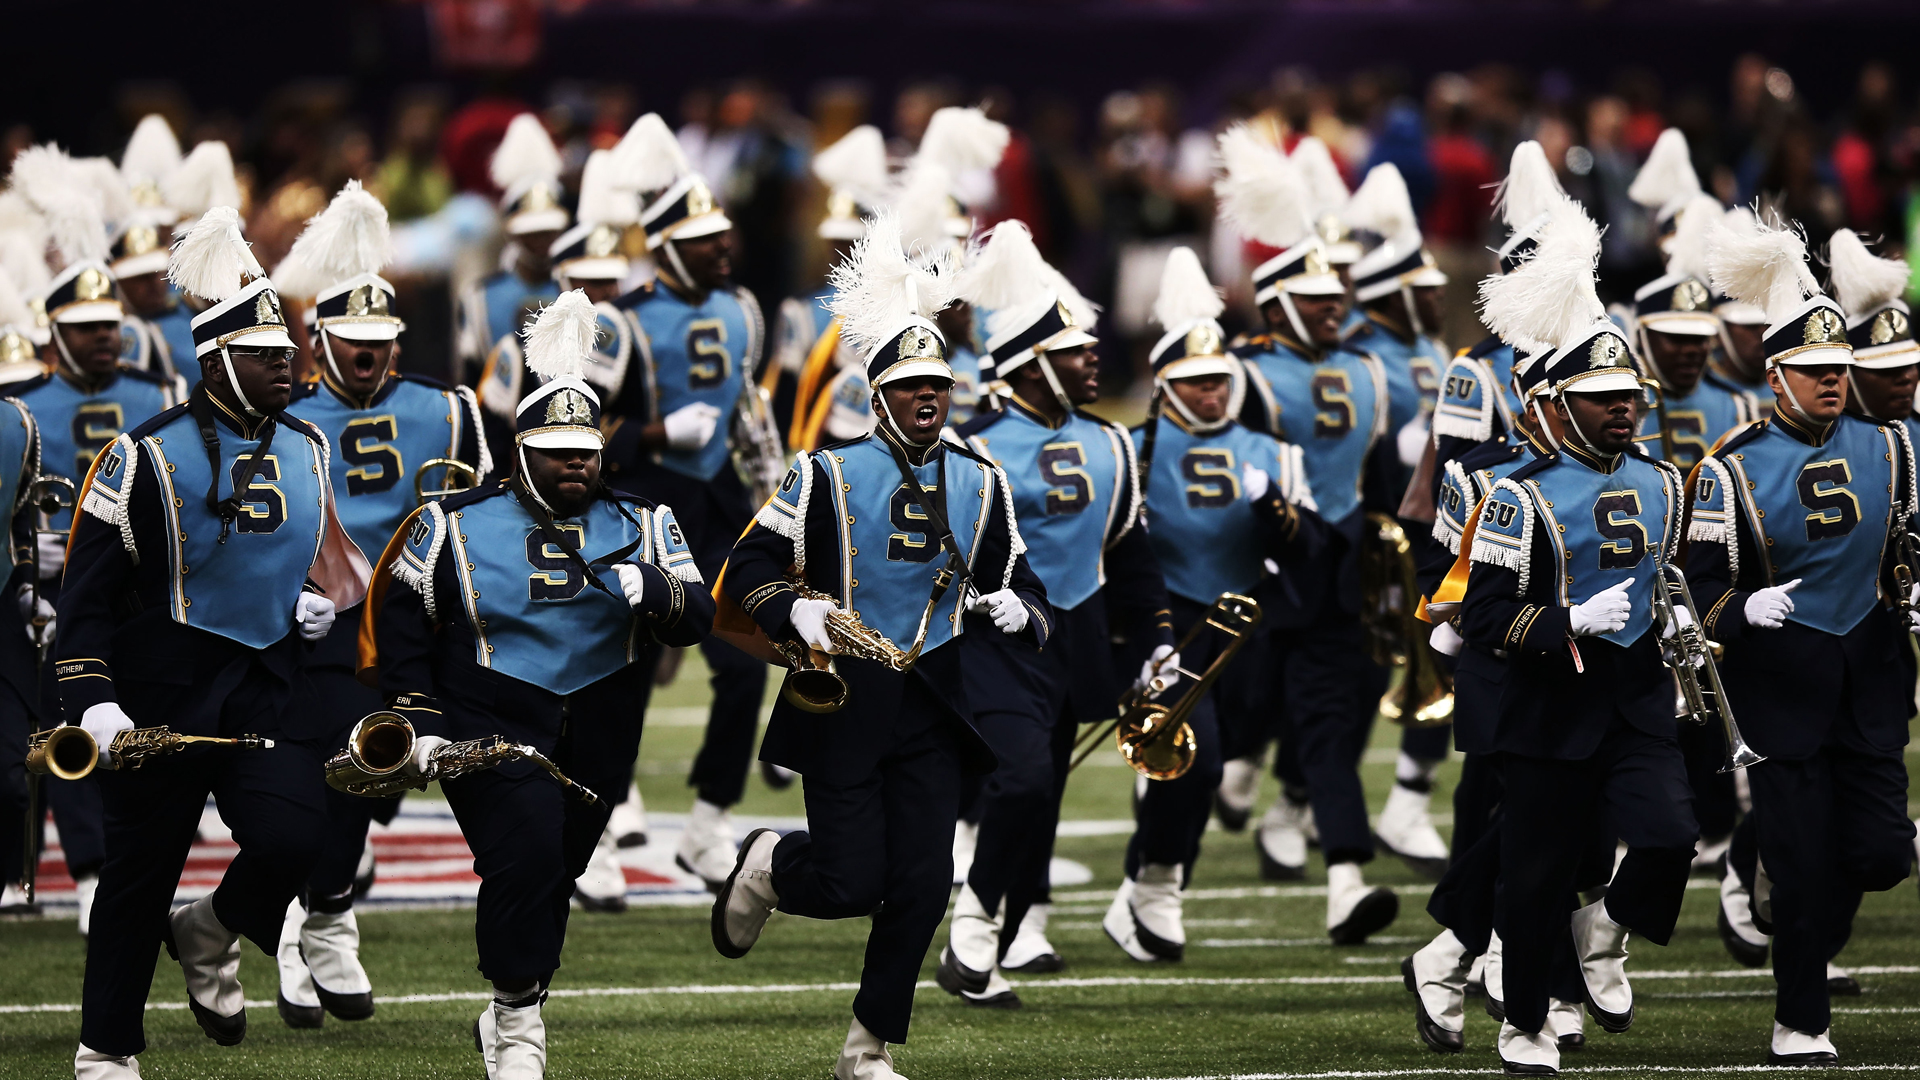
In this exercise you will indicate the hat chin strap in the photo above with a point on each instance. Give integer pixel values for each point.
(1787, 389)
(893, 433)
(1053, 383)
(1646, 350)
(1194, 423)
(233, 383)
(1546, 429)
(679, 268)
(1561, 396)
(520, 450)
(1293, 318)
(60, 344)
(1413, 313)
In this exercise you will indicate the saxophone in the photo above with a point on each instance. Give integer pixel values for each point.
(813, 682)
(380, 747)
(70, 753)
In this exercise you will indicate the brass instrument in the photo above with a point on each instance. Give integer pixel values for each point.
(46, 495)
(1155, 739)
(758, 454)
(1907, 558)
(456, 470)
(1688, 654)
(70, 753)
(813, 683)
(1389, 600)
(375, 761)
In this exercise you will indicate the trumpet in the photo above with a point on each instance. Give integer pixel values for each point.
(813, 683)
(457, 470)
(1155, 739)
(1423, 696)
(1688, 654)
(70, 753)
(758, 455)
(374, 762)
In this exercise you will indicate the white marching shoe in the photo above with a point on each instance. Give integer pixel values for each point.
(1526, 1054)
(13, 901)
(512, 1039)
(864, 1057)
(965, 836)
(602, 886)
(1493, 978)
(1145, 916)
(706, 846)
(1744, 941)
(1437, 977)
(970, 964)
(629, 823)
(1030, 953)
(330, 944)
(84, 889)
(1281, 840)
(1792, 1047)
(1709, 856)
(1566, 1025)
(747, 898)
(1239, 789)
(299, 1005)
(1354, 911)
(89, 1064)
(1406, 829)
(1600, 944)
(209, 955)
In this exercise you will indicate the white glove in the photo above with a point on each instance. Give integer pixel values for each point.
(1005, 608)
(1913, 616)
(421, 763)
(1255, 481)
(1411, 441)
(632, 582)
(103, 722)
(1768, 608)
(690, 427)
(1164, 662)
(809, 618)
(32, 607)
(1682, 618)
(50, 550)
(1445, 639)
(313, 614)
(1604, 613)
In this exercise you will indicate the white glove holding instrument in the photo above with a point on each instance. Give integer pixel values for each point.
(32, 606)
(1255, 482)
(421, 762)
(50, 555)
(1768, 608)
(1913, 614)
(1603, 613)
(1445, 639)
(313, 614)
(1004, 607)
(1165, 663)
(690, 427)
(103, 722)
(809, 618)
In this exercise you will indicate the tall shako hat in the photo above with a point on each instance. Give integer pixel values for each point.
(1550, 304)
(1879, 327)
(1327, 193)
(1679, 301)
(886, 300)
(1031, 311)
(1525, 201)
(1399, 262)
(526, 168)
(854, 170)
(151, 157)
(1768, 268)
(55, 186)
(1189, 308)
(1666, 182)
(344, 248)
(563, 412)
(590, 251)
(1264, 196)
(214, 261)
(1735, 221)
(960, 140)
(682, 207)
(204, 180)
(16, 325)
(23, 252)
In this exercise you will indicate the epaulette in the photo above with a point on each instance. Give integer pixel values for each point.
(25, 385)
(635, 296)
(142, 375)
(304, 390)
(1534, 468)
(474, 494)
(1491, 452)
(838, 443)
(980, 422)
(1253, 346)
(1362, 328)
(312, 433)
(968, 452)
(1740, 436)
(1494, 542)
(157, 421)
(427, 381)
(1486, 347)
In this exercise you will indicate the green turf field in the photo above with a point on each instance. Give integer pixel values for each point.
(644, 995)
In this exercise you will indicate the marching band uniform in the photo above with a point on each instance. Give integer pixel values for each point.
(20, 712)
(1829, 801)
(380, 440)
(526, 168)
(181, 609)
(882, 775)
(494, 623)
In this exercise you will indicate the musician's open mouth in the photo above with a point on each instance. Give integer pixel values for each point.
(925, 414)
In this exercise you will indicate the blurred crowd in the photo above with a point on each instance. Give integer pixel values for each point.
(1107, 190)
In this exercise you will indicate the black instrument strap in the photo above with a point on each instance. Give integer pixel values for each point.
(559, 539)
(956, 569)
(201, 406)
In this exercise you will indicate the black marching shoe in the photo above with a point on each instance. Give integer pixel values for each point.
(957, 978)
(303, 1017)
(1437, 1038)
(1231, 818)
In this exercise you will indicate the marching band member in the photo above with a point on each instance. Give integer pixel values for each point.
(806, 341)
(1797, 523)
(882, 776)
(672, 432)
(207, 555)
(1580, 710)
(1334, 405)
(1220, 500)
(1886, 360)
(1077, 501)
(526, 168)
(384, 427)
(20, 711)
(496, 622)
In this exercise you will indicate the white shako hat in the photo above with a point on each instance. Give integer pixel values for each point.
(54, 185)
(1680, 301)
(1327, 193)
(854, 171)
(1524, 202)
(1879, 326)
(341, 252)
(590, 251)
(563, 412)
(1264, 197)
(886, 299)
(526, 168)
(151, 157)
(1551, 304)
(214, 262)
(679, 203)
(1737, 221)
(23, 252)
(1399, 262)
(1189, 308)
(1032, 308)
(204, 180)
(1767, 268)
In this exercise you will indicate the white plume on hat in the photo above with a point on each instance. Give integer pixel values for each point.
(348, 238)
(109, 189)
(1862, 281)
(1006, 272)
(204, 180)
(1185, 293)
(1765, 267)
(603, 199)
(1383, 206)
(59, 191)
(213, 260)
(1530, 188)
(560, 342)
(23, 244)
(922, 202)
(1667, 179)
(962, 138)
(648, 157)
(1326, 188)
(1552, 296)
(13, 306)
(1261, 193)
(152, 153)
(1692, 235)
(293, 277)
(857, 164)
(526, 152)
(1084, 311)
(877, 289)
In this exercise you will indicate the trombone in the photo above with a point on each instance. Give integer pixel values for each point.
(459, 477)
(1155, 739)
(1688, 654)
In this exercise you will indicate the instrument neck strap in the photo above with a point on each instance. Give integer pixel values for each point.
(200, 404)
(956, 569)
(536, 507)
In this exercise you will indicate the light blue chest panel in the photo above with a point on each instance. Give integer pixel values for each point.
(1413, 374)
(1462, 489)
(964, 401)
(377, 450)
(1201, 526)
(1602, 527)
(1333, 411)
(243, 589)
(504, 298)
(176, 327)
(532, 614)
(17, 462)
(75, 426)
(1695, 423)
(1476, 397)
(1071, 486)
(697, 354)
(1822, 514)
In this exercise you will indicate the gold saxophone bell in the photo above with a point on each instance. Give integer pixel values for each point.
(377, 747)
(813, 683)
(64, 753)
(456, 470)
(373, 763)
(1422, 695)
